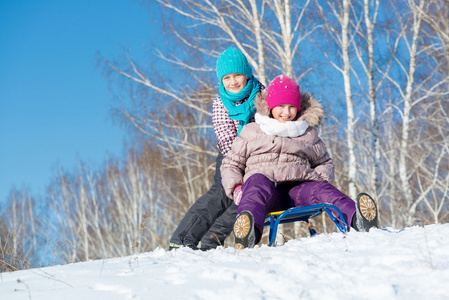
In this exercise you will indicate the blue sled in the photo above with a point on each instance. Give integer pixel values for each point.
(303, 214)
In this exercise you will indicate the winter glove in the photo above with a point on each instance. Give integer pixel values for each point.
(238, 194)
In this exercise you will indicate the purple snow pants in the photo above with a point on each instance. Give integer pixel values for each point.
(261, 196)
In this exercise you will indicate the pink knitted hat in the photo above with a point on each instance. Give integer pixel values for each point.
(283, 90)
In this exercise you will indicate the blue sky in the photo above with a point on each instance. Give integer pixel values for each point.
(54, 102)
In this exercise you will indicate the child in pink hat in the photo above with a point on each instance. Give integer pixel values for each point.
(279, 162)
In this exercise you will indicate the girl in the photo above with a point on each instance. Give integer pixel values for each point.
(211, 217)
(279, 162)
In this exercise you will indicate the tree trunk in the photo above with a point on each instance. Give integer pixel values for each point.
(352, 167)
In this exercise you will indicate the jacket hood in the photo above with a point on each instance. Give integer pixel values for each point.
(311, 110)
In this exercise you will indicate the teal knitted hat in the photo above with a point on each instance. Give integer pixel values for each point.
(233, 61)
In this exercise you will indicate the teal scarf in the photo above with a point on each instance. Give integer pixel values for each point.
(245, 111)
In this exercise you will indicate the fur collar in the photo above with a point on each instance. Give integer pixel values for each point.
(311, 110)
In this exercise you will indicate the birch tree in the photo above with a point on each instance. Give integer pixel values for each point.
(344, 21)
(341, 11)
(370, 22)
(282, 42)
(407, 98)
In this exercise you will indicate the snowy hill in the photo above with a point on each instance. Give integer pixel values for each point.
(410, 264)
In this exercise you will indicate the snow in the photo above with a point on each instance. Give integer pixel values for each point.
(408, 264)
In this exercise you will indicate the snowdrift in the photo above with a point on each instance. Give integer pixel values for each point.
(408, 264)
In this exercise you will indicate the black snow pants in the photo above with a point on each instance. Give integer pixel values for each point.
(210, 219)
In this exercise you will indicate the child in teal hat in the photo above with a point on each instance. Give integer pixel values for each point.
(211, 218)
(232, 65)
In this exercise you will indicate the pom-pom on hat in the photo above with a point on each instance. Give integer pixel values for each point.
(283, 90)
(233, 61)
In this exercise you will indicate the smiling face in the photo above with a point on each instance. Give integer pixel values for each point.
(284, 112)
(234, 82)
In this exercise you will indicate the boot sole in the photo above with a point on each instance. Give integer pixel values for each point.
(242, 230)
(367, 207)
(242, 226)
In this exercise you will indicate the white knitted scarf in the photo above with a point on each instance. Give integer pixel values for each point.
(288, 129)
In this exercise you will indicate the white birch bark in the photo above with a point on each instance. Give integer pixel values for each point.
(372, 95)
(406, 117)
(341, 11)
(282, 10)
(260, 68)
(352, 166)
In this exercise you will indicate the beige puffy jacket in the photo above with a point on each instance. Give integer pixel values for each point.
(300, 158)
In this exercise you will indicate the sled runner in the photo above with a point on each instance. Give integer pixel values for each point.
(302, 214)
